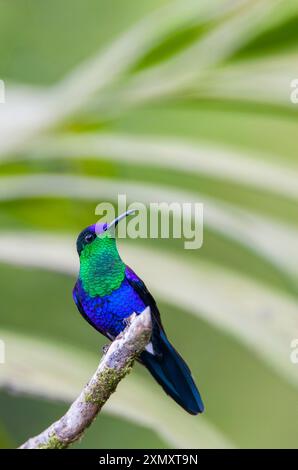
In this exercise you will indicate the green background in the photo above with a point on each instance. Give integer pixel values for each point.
(177, 91)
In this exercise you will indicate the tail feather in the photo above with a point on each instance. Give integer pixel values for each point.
(172, 373)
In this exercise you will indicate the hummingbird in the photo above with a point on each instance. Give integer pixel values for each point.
(108, 291)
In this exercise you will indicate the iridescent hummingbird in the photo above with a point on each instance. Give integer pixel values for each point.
(108, 291)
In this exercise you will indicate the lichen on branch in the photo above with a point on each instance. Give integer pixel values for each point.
(113, 367)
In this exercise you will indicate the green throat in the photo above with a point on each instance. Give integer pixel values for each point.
(101, 268)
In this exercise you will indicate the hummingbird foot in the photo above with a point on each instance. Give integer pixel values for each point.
(105, 348)
(127, 321)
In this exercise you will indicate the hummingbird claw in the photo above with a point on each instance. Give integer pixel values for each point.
(105, 348)
(127, 321)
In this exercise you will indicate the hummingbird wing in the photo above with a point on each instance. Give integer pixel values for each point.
(140, 288)
(163, 361)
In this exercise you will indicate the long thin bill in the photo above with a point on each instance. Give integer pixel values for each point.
(116, 221)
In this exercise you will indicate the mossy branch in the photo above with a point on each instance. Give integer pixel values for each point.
(114, 365)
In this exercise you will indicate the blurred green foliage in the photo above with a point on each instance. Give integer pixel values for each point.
(178, 91)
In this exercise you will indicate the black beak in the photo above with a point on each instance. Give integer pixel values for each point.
(116, 221)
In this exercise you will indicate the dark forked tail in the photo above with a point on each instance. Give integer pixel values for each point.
(171, 372)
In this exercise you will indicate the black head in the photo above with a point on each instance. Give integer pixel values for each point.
(87, 236)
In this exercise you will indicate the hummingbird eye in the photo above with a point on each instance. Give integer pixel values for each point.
(89, 237)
